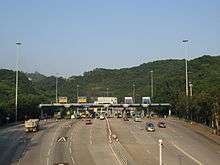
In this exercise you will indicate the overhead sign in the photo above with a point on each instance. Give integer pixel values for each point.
(82, 99)
(62, 100)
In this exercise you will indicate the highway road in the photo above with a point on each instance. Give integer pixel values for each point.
(82, 144)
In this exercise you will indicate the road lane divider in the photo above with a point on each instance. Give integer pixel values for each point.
(188, 155)
(115, 146)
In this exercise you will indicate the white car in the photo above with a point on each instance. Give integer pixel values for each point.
(137, 119)
(101, 117)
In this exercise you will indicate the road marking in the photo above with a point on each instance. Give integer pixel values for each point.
(73, 160)
(115, 154)
(48, 153)
(70, 150)
(190, 156)
(90, 139)
(47, 161)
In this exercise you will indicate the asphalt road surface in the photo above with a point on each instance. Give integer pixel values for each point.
(75, 143)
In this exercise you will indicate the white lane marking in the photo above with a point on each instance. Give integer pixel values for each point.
(47, 161)
(190, 156)
(73, 161)
(90, 139)
(115, 154)
(48, 153)
(70, 150)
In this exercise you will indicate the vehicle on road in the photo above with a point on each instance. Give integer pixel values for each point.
(58, 115)
(161, 124)
(31, 125)
(119, 115)
(150, 127)
(125, 119)
(88, 122)
(137, 119)
(101, 117)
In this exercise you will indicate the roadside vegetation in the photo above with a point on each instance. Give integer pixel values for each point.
(169, 86)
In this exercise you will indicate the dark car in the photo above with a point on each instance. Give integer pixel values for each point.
(161, 124)
(88, 122)
(150, 127)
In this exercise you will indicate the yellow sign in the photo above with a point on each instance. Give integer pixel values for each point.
(82, 100)
(62, 100)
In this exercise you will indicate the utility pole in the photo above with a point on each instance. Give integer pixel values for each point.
(56, 89)
(107, 92)
(186, 66)
(160, 152)
(16, 83)
(152, 83)
(133, 92)
(77, 92)
(190, 89)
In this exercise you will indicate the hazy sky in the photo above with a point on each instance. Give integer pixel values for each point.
(70, 37)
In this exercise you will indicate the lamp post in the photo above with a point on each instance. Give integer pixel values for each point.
(186, 66)
(133, 92)
(190, 89)
(77, 92)
(160, 151)
(107, 92)
(152, 83)
(16, 83)
(56, 89)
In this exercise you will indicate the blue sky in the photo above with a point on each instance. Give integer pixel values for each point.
(70, 37)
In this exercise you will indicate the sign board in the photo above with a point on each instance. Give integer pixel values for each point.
(82, 100)
(106, 100)
(62, 100)
(146, 100)
(128, 100)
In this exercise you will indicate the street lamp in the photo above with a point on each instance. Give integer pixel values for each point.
(152, 83)
(77, 92)
(133, 92)
(190, 89)
(186, 67)
(56, 89)
(107, 92)
(16, 83)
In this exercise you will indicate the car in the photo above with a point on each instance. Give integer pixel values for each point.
(88, 122)
(150, 127)
(137, 119)
(125, 119)
(119, 115)
(101, 117)
(161, 124)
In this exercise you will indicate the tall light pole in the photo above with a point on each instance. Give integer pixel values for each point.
(160, 151)
(56, 89)
(186, 66)
(133, 92)
(190, 89)
(77, 92)
(152, 83)
(16, 83)
(107, 92)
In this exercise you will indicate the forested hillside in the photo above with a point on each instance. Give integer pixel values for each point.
(169, 85)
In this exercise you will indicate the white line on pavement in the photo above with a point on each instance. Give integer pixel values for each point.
(190, 156)
(47, 161)
(48, 153)
(90, 139)
(73, 161)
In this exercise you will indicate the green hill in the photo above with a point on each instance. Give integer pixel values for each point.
(169, 86)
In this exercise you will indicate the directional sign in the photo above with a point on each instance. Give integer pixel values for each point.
(61, 164)
(62, 139)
